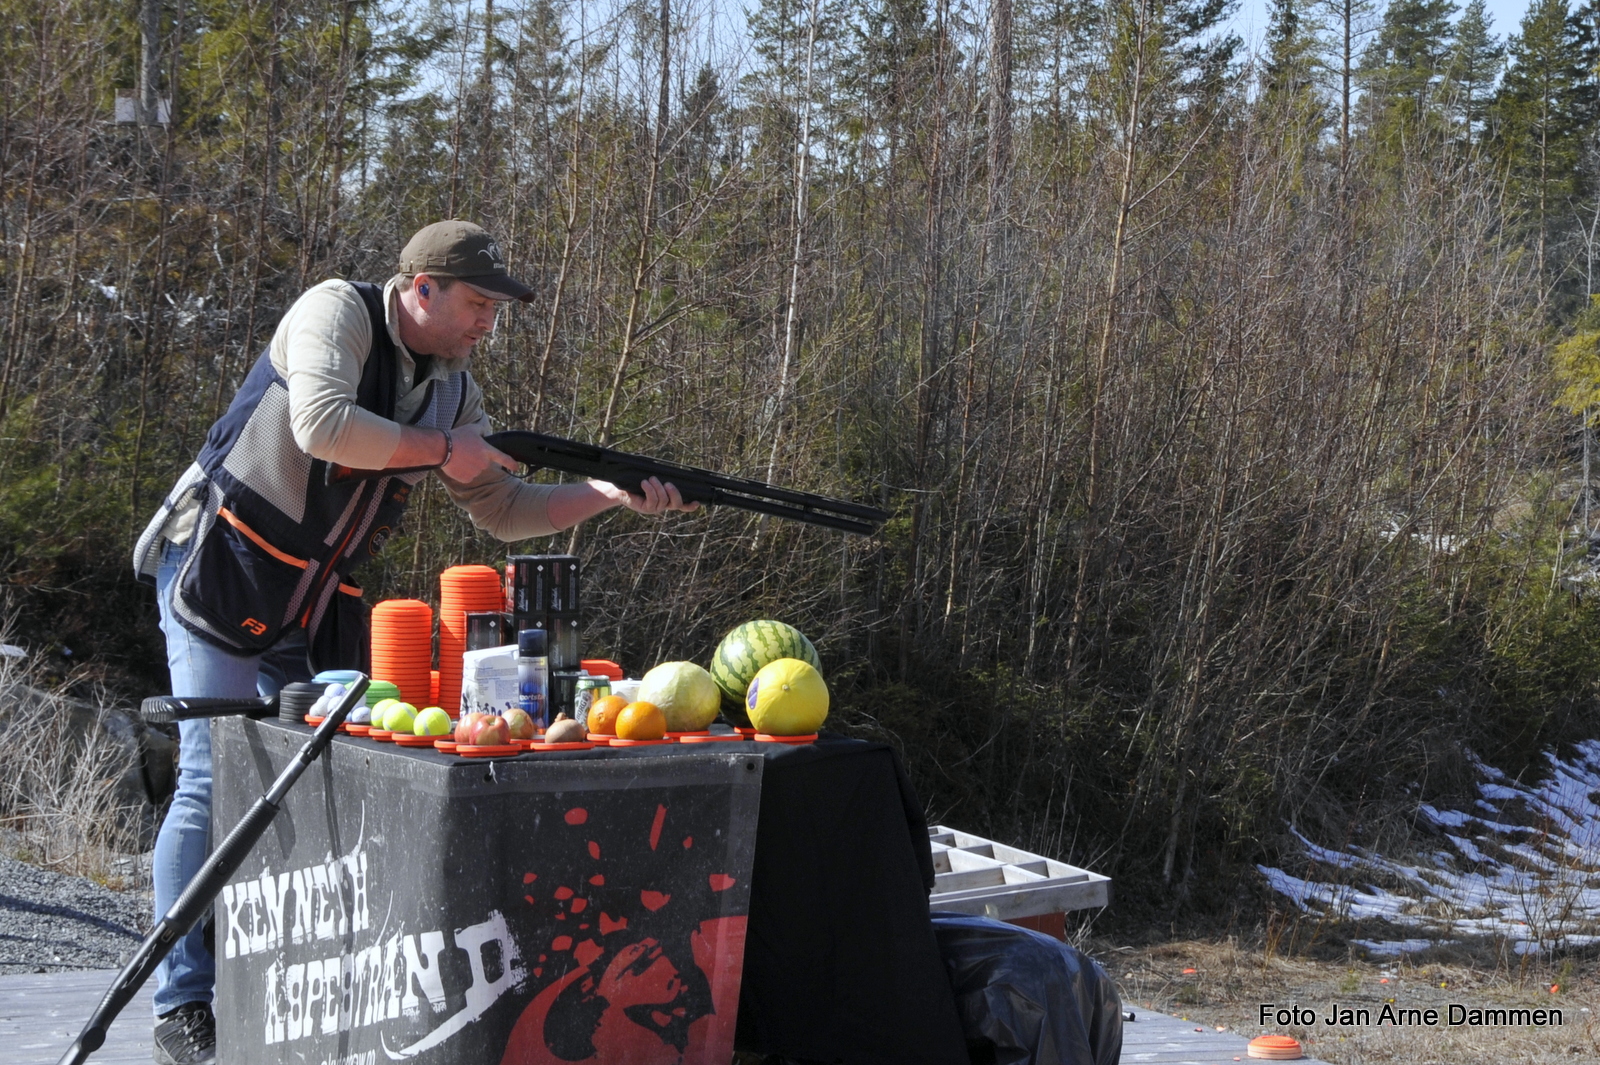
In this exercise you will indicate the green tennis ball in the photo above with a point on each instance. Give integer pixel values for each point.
(400, 717)
(379, 709)
(432, 721)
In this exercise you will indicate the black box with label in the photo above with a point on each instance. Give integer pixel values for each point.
(565, 637)
(542, 584)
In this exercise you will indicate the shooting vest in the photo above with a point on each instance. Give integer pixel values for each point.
(275, 544)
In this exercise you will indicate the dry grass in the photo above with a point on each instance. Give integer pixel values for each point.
(1223, 983)
(63, 803)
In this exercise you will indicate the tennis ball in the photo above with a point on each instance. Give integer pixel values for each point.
(432, 721)
(400, 717)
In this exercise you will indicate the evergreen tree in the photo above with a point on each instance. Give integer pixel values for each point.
(1350, 22)
(1202, 51)
(1406, 64)
(1291, 50)
(1474, 65)
(1545, 103)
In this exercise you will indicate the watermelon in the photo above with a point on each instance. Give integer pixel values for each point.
(743, 652)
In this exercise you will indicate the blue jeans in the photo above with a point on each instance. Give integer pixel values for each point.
(201, 669)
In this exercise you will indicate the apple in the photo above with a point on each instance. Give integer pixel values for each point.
(493, 732)
(468, 726)
(519, 723)
(483, 730)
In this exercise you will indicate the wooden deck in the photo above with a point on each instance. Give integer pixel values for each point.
(41, 1015)
(1155, 1037)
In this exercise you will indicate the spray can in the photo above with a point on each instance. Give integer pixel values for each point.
(533, 675)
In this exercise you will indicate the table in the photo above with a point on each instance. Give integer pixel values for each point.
(579, 906)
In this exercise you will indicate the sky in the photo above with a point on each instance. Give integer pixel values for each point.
(1504, 15)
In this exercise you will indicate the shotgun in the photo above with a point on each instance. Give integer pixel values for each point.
(539, 450)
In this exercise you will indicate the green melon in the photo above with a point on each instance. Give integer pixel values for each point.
(743, 652)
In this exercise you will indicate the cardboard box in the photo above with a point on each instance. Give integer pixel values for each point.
(489, 680)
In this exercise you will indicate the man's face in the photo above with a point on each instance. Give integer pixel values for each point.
(453, 320)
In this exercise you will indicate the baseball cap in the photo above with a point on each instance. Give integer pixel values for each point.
(464, 251)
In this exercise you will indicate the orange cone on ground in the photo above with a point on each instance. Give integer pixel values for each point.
(402, 646)
(463, 590)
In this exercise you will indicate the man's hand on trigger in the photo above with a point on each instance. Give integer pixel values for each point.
(471, 455)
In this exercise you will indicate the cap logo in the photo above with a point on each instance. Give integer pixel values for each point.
(492, 250)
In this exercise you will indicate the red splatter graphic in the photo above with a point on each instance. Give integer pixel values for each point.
(561, 917)
(607, 925)
(538, 970)
(577, 815)
(529, 899)
(719, 953)
(663, 1019)
(594, 850)
(641, 975)
(561, 943)
(564, 893)
(528, 878)
(655, 826)
(721, 881)
(654, 900)
(583, 927)
(597, 880)
(688, 841)
(579, 905)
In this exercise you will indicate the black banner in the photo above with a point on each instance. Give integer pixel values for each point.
(407, 906)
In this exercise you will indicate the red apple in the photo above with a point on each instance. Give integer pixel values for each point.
(467, 727)
(493, 732)
(519, 723)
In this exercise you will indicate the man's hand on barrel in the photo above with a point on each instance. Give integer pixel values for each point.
(657, 499)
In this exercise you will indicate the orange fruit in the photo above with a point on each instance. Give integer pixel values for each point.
(641, 721)
(603, 715)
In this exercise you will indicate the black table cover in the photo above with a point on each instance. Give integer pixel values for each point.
(841, 963)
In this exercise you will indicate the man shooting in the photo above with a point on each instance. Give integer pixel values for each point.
(253, 550)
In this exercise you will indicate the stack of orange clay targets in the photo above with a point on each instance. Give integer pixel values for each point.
(463, 590)
(402, 647)
(1274, 1048)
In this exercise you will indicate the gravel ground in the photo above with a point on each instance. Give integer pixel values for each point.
(52, 923)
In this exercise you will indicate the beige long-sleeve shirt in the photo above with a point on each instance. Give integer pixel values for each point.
(320, 348)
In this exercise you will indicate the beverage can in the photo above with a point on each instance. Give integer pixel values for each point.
(589, 689)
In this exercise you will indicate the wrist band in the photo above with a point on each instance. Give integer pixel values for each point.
(449, 449)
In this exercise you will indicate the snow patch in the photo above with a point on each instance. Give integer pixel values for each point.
(1388, 948)
(1524, 866)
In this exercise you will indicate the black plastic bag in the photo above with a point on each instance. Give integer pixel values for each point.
(1025, 998)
